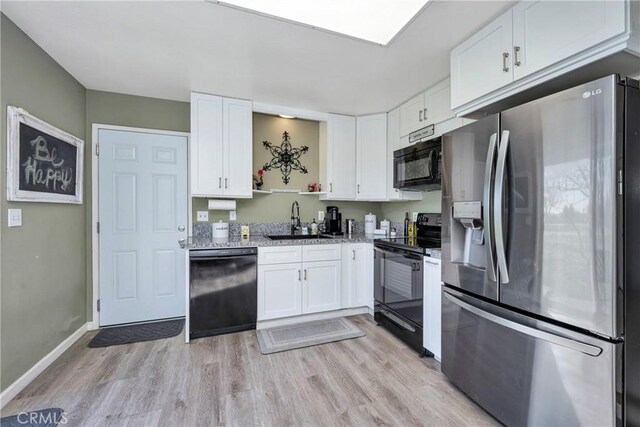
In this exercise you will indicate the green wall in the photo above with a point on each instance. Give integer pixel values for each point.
(276, 207)
(42, 267)
(431, 202)
(108, 108)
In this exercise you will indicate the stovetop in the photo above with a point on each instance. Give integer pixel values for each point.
(409, 243)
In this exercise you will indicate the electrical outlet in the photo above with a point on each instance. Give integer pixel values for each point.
(320, 215)
(414, 216)
(232, 215)
(15, 217)
(203, 216)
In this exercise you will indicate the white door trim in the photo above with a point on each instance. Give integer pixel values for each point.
(95, 242)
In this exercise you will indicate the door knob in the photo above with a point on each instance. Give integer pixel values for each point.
(181, 228)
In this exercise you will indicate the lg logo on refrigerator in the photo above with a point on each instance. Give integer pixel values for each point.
(587, 94)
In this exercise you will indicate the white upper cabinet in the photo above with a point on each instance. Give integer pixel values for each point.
(338, 157)
(412, 115)
(237, 136)
(536, 41)
(371, 164)
(437, 101)
(393, 144)
(221, 146)
(482, 63)
(546, 32)
(206, 145)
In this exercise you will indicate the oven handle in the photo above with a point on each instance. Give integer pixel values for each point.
(405, 254)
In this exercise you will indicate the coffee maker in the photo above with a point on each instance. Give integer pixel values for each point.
(333, 221)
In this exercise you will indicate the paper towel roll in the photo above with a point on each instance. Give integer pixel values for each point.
(369, 223)
(222, 205)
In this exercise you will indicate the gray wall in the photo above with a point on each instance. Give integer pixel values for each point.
(42, 274)
(125, 110)
(431, 202)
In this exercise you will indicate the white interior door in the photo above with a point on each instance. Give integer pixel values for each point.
(142, 181)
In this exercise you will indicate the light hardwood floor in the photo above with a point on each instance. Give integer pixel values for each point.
(224, 380)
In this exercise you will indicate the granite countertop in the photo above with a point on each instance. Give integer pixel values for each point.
(195, 243)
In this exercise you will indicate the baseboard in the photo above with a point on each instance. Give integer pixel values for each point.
(15, 388)
(263, 324)
(92, 326)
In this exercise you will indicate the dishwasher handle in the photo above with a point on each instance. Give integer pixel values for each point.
(221, 253)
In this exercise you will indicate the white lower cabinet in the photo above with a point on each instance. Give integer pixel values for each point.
(279, 290)
(432, 308)
(321, 286)
(357, 264)
(294, 280)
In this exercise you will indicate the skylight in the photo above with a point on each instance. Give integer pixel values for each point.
(377, 21)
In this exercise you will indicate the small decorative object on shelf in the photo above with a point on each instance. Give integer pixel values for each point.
(257, 179)
(314, 188)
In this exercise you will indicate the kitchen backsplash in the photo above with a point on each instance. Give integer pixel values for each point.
(203, 230)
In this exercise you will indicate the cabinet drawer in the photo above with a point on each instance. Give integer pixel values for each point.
(279, 255)
(322, 252)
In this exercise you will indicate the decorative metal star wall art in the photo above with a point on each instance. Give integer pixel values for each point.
(285, 157)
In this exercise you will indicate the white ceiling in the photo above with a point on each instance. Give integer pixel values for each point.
(168, 49)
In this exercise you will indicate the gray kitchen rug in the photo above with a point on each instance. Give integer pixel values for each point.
(137, 333)
(289, 337)
(42, 418)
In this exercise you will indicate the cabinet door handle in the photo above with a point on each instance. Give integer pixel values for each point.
(219, 182)
(330, 187)
(420, 115)
(516, 61)
(354, 254)
(505, 67)
(424, 114)
(358, 188)
(226, 181)
(305, 274)
(299, 276)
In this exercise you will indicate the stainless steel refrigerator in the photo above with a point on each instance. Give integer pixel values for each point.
(541, 258)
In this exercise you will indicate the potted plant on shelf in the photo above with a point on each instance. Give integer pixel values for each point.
(257, 179)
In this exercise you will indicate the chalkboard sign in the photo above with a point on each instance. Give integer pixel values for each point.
(45, 163)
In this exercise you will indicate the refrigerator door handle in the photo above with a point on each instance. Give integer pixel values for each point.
(488, 173)
(498, 203)
(582, 347)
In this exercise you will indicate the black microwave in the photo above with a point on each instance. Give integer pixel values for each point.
(418, 167)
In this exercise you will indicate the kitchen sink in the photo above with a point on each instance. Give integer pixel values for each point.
(297, 237)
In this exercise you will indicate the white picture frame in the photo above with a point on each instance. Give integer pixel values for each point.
(55, 173)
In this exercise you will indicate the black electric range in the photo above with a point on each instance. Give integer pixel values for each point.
(399, 280)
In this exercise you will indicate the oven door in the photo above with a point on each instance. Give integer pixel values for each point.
(398, 282)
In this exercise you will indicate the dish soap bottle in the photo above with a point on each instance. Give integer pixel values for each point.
(314, 227)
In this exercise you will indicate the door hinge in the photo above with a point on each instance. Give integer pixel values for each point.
(98, 305)
(98, 227)
(97, 149)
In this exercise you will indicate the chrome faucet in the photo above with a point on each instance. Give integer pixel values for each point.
(295, 218)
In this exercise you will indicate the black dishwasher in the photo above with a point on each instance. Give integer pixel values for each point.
(222, 291)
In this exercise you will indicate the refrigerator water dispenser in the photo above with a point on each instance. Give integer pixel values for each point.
(468, 236)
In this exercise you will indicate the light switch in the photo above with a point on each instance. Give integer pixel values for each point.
(232, 215)
(203, 216)
(15, 217)
(414, 216)
(320, 215)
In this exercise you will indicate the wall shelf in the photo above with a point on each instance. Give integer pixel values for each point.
(261, 191)
(312, 193)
